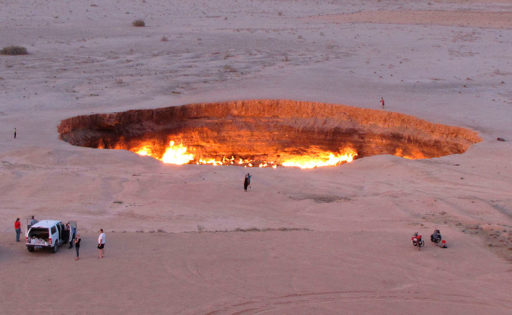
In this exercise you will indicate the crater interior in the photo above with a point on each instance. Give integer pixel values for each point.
(267, 133)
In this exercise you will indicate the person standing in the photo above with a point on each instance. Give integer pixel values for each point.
(17, 228)
(73, 235)
(14, 133)
(66, 235)
(101, 244)
(247, 181)
(77, 245)
(32, 222)
(382, 102)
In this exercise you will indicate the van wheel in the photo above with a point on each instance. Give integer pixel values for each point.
(30, 248)
(55, 248)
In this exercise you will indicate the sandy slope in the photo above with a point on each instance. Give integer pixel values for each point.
(424, 17)
(351, 252)
(300, 272)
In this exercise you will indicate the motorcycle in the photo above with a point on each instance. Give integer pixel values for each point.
(417, 241)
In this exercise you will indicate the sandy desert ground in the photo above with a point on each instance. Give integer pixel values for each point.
(188, 239)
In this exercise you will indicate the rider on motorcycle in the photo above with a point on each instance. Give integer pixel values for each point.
(416, 238)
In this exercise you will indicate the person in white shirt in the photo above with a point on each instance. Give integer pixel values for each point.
(101, 244)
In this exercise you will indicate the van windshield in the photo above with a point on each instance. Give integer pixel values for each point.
(41, 233)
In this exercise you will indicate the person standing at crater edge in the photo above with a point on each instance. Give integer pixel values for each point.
(382, 102)
(14, 133)
(247, 181)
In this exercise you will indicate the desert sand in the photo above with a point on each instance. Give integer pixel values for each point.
(188, 239)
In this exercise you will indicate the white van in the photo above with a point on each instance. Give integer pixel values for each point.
(47, 234)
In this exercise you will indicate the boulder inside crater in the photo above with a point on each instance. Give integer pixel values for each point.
(266, 133)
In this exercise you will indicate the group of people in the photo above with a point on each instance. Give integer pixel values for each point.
(17, 226)
(435, 238)
(70, 233)
(101, 244)
(75, 239)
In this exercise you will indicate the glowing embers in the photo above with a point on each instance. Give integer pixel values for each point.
(180, 154)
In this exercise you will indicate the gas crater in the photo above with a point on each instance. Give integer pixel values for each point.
(266, 133)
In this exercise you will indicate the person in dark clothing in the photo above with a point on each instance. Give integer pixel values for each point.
(14, 133)
(73, 235)
(66, 234)
(436, 236)
(77, 246)
(247, 181)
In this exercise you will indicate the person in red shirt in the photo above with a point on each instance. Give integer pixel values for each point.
(17, 227)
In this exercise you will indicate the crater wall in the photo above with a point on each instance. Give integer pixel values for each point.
(266, 129)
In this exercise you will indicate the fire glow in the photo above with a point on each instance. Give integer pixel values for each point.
(179, 154)
(266, 133)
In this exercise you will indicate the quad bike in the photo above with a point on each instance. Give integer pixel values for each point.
(417, 241)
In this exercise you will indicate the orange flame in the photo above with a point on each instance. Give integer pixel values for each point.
(321, 159)
(178, 154)
(415, 154)
(145, 151)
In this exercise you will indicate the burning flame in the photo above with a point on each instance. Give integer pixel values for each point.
(145, 151)
(178, 154)
(415, 154)
(323, 159)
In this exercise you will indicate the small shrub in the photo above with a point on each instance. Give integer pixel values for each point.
(14, 51)
(164, 39)
(139, 23)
